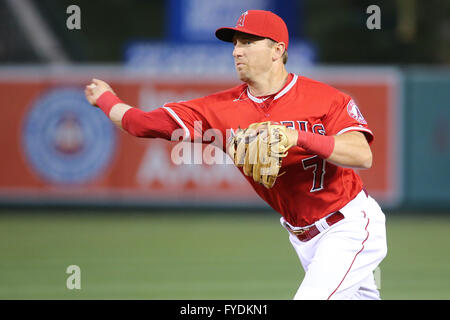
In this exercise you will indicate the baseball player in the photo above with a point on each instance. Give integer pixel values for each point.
(336, 228)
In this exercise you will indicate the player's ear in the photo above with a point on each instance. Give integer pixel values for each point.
(278, 51)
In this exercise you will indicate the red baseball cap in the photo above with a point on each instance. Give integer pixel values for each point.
(259, 23)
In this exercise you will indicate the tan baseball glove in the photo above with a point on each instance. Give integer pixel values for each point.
(259, 150)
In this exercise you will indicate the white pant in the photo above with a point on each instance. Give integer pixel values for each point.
(339, 262)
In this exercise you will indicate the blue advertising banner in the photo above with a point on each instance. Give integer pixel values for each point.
(196, 20)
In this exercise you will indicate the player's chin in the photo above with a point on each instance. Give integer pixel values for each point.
(243, 76)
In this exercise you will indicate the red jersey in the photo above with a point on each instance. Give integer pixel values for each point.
(311, 187)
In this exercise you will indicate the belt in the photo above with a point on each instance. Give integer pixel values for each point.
(309, 232)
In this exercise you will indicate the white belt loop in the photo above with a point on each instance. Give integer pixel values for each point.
(322, 224)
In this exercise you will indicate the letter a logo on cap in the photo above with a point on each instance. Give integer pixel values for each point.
(241, 20)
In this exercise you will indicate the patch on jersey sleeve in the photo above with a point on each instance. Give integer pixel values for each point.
(354, 112)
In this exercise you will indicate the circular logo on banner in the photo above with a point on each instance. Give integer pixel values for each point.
(65, 139)
(354, 112)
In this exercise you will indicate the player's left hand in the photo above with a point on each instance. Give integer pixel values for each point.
(95, 89)
(259, 150)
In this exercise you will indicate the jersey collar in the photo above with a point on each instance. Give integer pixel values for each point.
(278, 95)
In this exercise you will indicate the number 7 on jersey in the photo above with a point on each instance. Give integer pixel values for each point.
(317, 164)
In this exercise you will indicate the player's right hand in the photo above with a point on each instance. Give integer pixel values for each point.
(95, 89)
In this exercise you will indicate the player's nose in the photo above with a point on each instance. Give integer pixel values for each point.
(237, 51)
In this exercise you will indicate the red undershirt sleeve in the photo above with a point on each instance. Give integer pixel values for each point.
(152, 124)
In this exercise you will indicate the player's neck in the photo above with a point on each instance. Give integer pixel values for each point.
(268, 84)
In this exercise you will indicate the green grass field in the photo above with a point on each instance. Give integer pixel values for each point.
(195, 256)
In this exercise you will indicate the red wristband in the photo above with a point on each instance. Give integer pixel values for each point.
(318, 144)
(106, 101)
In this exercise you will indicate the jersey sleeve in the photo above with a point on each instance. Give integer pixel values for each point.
(190, 116)
(345, 116)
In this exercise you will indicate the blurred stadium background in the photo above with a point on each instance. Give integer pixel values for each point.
(76, 191)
